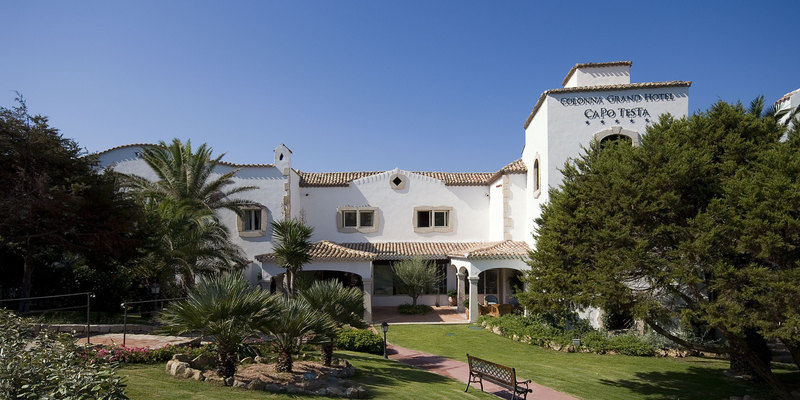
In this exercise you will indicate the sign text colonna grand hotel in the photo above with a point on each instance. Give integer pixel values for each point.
(613, 99)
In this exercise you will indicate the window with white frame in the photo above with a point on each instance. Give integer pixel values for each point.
(432, 219)
(357, 219)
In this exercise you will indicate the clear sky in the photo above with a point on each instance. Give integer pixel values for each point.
(367, 85)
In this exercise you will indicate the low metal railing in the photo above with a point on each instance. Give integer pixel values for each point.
(89, 296)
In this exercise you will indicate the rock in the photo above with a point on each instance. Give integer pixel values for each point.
(197, 375)
(747, 397)
(351, 393)
(735, 398)
(182, 358)
(258, 359)
(188, 373)
(335, 391)
(271, 387)
(203, 362)
(169, 365)
(228, 381)
(178, 367)
(321, 392)
(240, 384)
(256, 384)
(247, 360)
(215, 380)
(569, 349)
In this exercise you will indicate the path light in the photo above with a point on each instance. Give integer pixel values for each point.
(384, 328)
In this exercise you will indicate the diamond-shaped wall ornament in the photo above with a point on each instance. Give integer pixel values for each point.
(397, 181)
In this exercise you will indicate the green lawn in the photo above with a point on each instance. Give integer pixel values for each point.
(588, 376)
(384, 380)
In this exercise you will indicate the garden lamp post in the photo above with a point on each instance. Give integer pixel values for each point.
(384, 328)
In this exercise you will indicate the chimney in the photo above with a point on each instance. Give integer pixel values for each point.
(598, 74)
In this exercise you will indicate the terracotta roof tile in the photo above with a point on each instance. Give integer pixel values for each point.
(342, 179)
(625, 86)
(326, 250)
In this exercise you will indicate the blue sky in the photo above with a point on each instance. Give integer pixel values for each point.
(367, 85)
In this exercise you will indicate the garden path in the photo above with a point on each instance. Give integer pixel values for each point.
(460, 371)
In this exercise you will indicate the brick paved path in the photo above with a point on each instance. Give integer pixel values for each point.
(460, 371)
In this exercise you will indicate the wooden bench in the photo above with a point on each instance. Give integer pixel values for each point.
(506, 377)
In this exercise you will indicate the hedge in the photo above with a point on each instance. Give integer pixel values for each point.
(361, 340)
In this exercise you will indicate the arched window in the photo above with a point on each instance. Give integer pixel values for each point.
(617, 133)
(536, 176)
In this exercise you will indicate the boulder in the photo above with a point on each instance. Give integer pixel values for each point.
(182, 358)
(240, 384)
(335, 391)
(258, 359)
(169, 365)
(203, 362)
(196, 375)
(215, 380)
(247, 360)
(228, 381)
(256, 384)
(178, 368)
(356, 392)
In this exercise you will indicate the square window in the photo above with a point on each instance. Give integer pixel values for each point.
(440, 218)
(366, 218)
(423, 219)
(349, 219)
(252, 220)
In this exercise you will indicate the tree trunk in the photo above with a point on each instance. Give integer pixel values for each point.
(27, 284)
(284, 361)
(755, 344)
(226, 363)
(414, 300)
(753, 352)
(794, 350)
(326, 351)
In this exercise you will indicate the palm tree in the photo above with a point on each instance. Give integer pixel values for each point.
(225, 309)
(186, 176)
(343, 306)
(292, 249)
(296, 320)
(190, 242)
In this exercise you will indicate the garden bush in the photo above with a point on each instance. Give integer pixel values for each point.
(45, 365)
(361, 340)
(557, 332)
(417, 309)
(142, 355)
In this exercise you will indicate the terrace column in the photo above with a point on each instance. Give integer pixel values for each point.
(368, 287)
(460, 291)
(525, 288)
(473, 298)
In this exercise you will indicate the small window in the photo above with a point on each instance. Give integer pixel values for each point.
(366, 218)
(357, 219)
(440, 218)
(423, 219)
(252, 220)
(350, 219)
(536, 175)
(432, 219)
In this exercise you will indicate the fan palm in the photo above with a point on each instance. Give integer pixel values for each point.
(191, 242)
(225, 309)
(343, 306)
(296, 320)
(186, 176)
(292, 239)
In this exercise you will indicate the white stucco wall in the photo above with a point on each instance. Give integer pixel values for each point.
(496, 210)
(568, 129)
(469, 217)
(362, 268)
(269, 192)
(597, 76)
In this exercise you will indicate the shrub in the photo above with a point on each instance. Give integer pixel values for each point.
(546, 331)
(452, 293)
(142, 355)
(44, 365)
(361, 340)
(411, 309)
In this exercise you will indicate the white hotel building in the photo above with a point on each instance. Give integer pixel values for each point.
(476, 226)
